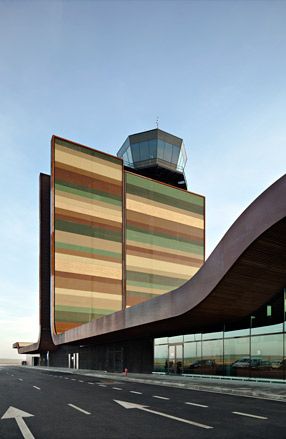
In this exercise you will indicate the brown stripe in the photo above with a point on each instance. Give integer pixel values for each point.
(80, 171)
(87, 283)
(87, 220)
(167, 233)
(88, 182)
(142, 218)
(162, 256)
(87, 255)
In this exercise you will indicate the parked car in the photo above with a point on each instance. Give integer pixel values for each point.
(245, 362)
(203, 364)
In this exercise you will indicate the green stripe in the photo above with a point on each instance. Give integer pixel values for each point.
(152, 279)
(88, 192)
(82, 229)
(166, 235)
(168, 200)
(91, 152)
(174, 244)
(140, 294)
(92, 250)
(160, 188)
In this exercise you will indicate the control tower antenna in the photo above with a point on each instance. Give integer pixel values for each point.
(157, 122)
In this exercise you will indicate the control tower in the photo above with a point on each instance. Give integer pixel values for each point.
(156, 154)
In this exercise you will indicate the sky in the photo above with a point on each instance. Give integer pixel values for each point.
(214, 72)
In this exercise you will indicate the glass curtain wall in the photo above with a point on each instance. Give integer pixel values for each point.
(257, 351)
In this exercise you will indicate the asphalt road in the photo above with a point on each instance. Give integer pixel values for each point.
(76, 406)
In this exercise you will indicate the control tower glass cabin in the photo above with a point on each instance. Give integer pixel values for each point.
(156, 154)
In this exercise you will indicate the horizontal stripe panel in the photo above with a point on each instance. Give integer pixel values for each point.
(77, 264)
(159, 211)
(160, 188)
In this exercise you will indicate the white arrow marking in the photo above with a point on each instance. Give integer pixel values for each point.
(129, 405)
(18, 415)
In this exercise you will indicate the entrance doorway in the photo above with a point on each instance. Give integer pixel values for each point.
(175, 361)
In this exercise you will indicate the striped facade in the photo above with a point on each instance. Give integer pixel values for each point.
(164, 237)
(162, 227)
(87, 234)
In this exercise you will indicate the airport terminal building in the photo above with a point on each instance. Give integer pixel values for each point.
(123, 277)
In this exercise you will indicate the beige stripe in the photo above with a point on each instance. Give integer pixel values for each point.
(88, 241)
(168, 207)
(166, 274)
(168, 251)
(88, 208)
(147, 265)
(88, 302)
(91, 202)
(82, 293)
(91, 267)
(89, 163)
(160, 212)
(104, 160)
(145, 289)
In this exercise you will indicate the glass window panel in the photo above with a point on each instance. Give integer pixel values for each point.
(237, 333)
(192, 354)
(176, 339)
(168, 152)
(161, 358)
(267, 356)
(213, 335)
(212, 357)
(175, 154)
(136, 152)
(161, 340)
(152, 148)
(189, 337)
(161, 147)
(236, 356)
(129, 156)
(267, 329)
(144, 151)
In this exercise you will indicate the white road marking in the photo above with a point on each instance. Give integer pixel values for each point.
(18, 415)
(79, 409)
(20, 379)
(101, 385)
(91, 383)
(128, 405)
(73, 379)
(80, 381)
(160, 397)
(66, 378)
(35, 387)
(197, 405)
(137, 393)
(116, 388)
(249, 415)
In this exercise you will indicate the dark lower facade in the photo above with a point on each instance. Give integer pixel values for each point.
(135, 356)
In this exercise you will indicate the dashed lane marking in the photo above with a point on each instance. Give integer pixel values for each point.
(91, 383)
(116, 388)
(137, 393)
(197, 405)
(249, 415)
(73, 379)
(80, 381)
(160, 397)
(38, 388)
(79, 409)
(20, 379)
(101, 385)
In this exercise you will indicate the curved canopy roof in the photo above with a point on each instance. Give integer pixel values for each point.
(246, 269)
